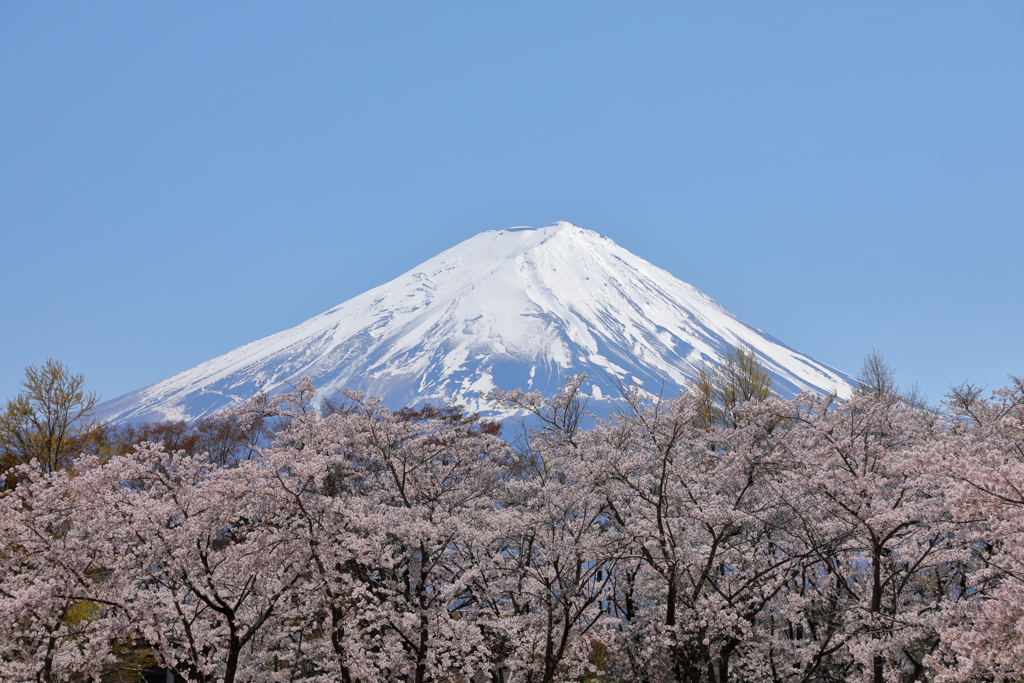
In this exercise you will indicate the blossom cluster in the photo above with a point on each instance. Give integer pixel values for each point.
(807, 540)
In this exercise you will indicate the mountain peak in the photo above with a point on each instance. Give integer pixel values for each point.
(519, 307)
(559, 226)
(535, 236)
(553, 227)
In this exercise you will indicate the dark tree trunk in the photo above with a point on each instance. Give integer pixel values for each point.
(878, 663)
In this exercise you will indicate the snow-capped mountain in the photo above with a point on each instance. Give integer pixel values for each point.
(511, 308)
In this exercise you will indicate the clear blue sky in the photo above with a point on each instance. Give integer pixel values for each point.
(178, 179)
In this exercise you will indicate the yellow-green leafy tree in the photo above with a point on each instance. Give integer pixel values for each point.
(50, 421)
(719, 391)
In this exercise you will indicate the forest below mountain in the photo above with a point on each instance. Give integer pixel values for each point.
(726, 534)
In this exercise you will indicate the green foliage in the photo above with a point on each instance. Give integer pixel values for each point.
(50, 421)
(130, 661)
(81, 611)
(737, 379)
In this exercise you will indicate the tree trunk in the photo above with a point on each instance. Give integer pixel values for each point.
(878, 663)
(231, 665)
(421, 602)
(337, 634)
(678, 672)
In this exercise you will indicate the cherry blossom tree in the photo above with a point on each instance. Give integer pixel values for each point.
(337, 528)
(705, 527)
(796, 541)
(885, 549)
(559, 550)
(54, 622)
(979, 455)
(205, 559)
(431, 484)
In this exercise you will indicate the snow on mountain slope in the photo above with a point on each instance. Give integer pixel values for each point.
(511, 308)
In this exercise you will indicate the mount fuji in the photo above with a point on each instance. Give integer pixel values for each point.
(520, 307)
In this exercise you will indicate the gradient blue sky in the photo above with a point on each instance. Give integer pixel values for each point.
(178, 179)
